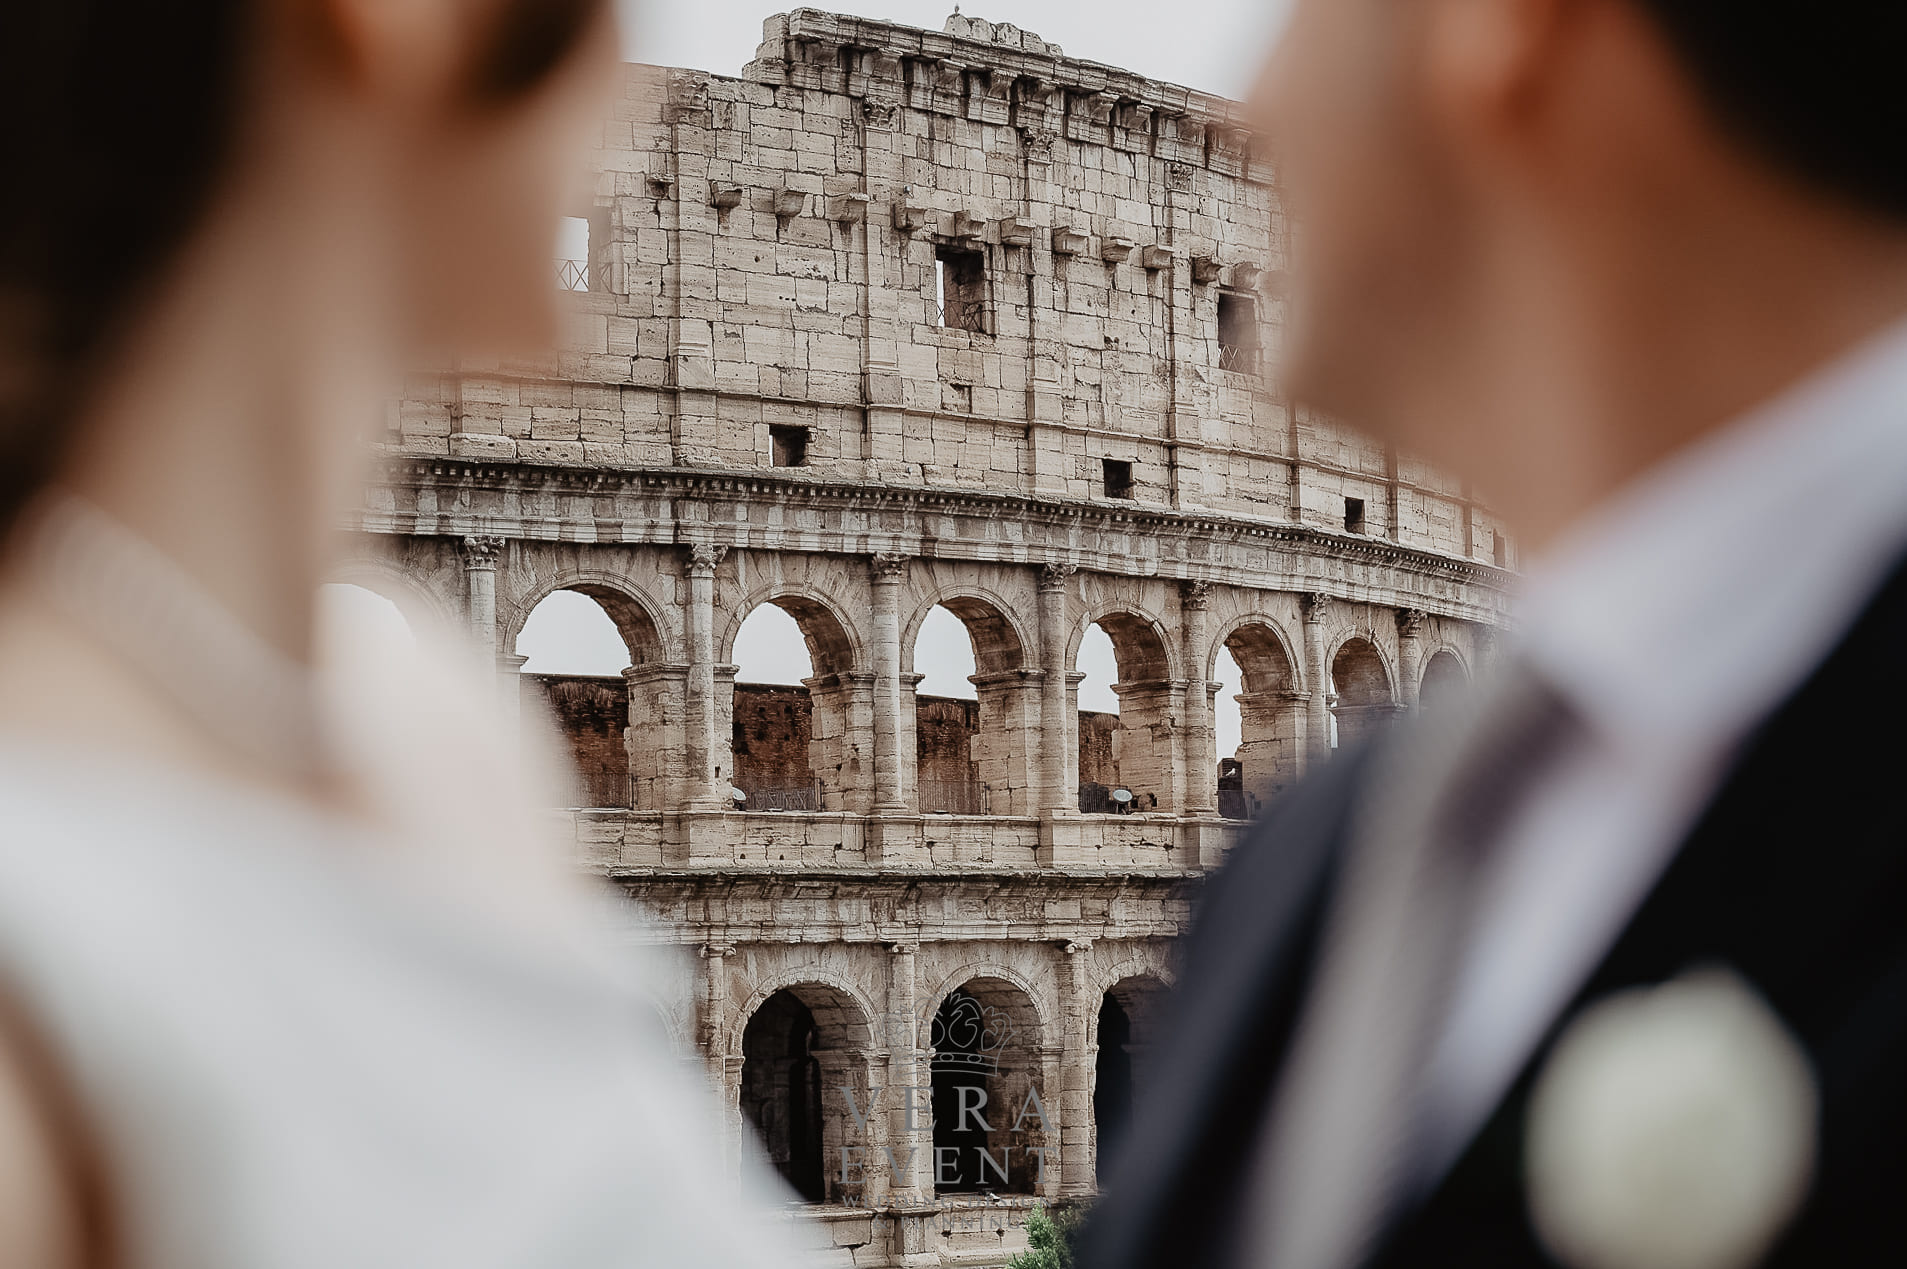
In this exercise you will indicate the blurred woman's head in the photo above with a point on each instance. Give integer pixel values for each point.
(147, 146)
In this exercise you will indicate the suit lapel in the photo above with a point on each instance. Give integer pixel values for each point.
(1243, 971)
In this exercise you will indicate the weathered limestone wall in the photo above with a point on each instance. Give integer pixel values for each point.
(764, 255)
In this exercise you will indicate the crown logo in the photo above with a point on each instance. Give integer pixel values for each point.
(969, 1035)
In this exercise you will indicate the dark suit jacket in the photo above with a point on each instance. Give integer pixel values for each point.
(1795, 876)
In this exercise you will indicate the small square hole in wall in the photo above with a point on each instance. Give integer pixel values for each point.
(1354, 515)
(789, 445)
(1118, 477)
(1500, 549)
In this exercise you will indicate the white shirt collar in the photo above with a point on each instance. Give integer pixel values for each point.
(1686, 606)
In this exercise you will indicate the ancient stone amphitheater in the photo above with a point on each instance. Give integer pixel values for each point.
(899, 319)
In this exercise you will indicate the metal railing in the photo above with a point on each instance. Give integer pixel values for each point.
(580, 275)
(954, 797)
(601, 791)
(1238, 357)
(967, 317)
(797, 797)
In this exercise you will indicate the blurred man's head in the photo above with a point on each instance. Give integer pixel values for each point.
(1511, 218)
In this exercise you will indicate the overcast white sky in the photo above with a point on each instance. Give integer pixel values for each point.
(1214, 45)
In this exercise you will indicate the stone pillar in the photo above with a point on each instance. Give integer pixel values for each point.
(910, 1126)
(1318, 708)
(656, 739)
(1485, 641)
(1269, 749)
(1008, 750)
(510, 693)
(1200, 733)
(704, 791)
(1410, 655)
(1058, 721)
(709, 1038)
(1149, 744)
(893, 783)
(480, 580)
(1078, 1170)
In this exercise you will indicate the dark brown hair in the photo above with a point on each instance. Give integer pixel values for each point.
(117, 120)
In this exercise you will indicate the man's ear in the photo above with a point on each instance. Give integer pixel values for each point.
(397, 48)
(1486, 62)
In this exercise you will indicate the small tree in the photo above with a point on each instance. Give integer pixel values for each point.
(1049, 1239)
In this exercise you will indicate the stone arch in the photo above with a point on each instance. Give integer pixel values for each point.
(598, 718)
(984, 1053)
(1144, 743)
(834, 642)
(421, 607)
(1270, 710)
(1141, 644)
(997, 773)
(637, 617)
(802, 1039)
(1000, 640)
(1444, 676)
(1362, 697)
(1123, 1032)
(812, 754)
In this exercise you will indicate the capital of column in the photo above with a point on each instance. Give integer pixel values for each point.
(1074, 946)
(1410, 622)
(704, 557)
(1314, 605)
(1053, 575)
(715, 951)
(901, 947)
(889, 569)
(481, 551)
(1194, 594)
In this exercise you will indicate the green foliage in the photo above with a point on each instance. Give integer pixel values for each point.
(1050, 1238)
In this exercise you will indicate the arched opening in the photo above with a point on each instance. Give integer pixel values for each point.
(1360, 692)
(1130, 745)
(589, 651)
(800, 730)
(354, 621)
(991, 1128)
(1267, 750)
(798, 1073)
(973, 711)
(781, 1091)
(1127, 1014)
(1443, 682)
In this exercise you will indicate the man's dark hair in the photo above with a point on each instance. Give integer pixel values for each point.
(1812, 84)
(117, 119)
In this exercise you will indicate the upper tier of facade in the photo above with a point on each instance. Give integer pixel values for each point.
(953, 260)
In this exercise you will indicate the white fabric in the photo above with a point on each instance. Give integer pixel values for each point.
(1674, 619)
(303, 1043)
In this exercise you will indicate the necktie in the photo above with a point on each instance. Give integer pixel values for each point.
(1337, 1136)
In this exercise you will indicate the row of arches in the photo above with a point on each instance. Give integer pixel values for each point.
(791, 689)
(986, 1119)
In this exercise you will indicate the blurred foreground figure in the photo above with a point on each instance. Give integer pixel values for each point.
(1610, 971)
(288, 974)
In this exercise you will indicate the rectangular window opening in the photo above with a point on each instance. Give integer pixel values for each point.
(1118, 477)
(1354, 515)
(1237, 332)
(789, 445)
(1500, 549)
(572, 253)
(960, 288)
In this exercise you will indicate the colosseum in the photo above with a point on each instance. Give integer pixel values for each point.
(902, 320)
